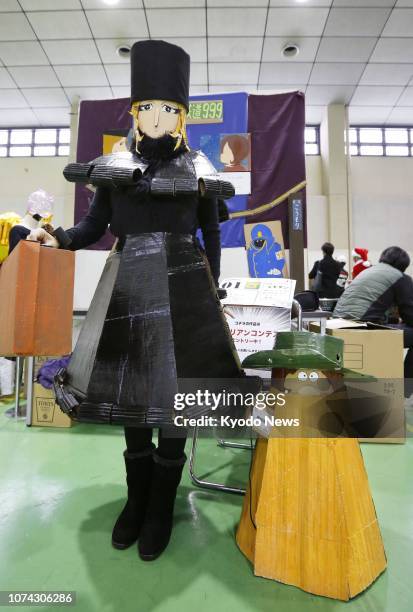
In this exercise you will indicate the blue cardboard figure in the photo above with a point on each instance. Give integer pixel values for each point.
(265, 255)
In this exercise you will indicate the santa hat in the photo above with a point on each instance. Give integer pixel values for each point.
(360, 253)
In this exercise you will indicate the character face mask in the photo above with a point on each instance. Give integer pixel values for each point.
(159, 127)
(157, 117)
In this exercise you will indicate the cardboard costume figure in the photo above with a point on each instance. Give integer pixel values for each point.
(155, 317)
(308, 517)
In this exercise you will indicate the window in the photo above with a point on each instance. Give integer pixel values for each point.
(34, 142)
(312, 140)
(50, 142)
(381, 141)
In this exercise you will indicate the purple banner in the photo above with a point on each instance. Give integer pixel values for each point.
(276, 123)
(97, 117)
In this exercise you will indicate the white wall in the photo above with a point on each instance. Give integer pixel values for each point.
(383, 204)
(382, 209)
(20, 176)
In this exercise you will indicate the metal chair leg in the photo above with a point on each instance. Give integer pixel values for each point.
(207, 484)
(225, 444)
(296, 312)
(30, 382)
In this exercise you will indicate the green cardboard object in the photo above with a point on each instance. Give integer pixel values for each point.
(304, 350)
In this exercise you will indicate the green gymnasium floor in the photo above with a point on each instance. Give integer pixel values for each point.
(61, 491)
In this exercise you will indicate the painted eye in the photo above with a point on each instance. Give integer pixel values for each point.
(313, 376)
(302, 376)
(170, 109)
(145, 107)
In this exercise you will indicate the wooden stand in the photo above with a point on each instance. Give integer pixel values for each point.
(315, 521)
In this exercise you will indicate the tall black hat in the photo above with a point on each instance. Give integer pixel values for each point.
(159, 71)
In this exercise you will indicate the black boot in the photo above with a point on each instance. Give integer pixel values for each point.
(157, 528)
(138, 477)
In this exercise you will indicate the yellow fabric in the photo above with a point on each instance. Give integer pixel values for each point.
(7, 221)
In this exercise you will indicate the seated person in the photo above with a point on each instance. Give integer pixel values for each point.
(380, 288)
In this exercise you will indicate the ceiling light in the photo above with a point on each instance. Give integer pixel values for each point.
(290, 50)
(111, 2)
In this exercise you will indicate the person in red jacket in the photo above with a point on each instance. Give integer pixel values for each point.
(360, 260)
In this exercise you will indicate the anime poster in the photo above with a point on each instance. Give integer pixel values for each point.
(265, 250)
(228, 152)
(231, 156)
(211, 118)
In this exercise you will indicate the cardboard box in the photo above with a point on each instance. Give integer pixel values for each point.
(378, 352)
(46, 413)
(36, 306)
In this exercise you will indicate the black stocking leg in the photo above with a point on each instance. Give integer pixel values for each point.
(169, 459)
(138, 438)
(171, 442)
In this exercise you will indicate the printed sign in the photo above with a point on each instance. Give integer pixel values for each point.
(297, 216)
(259, 292)
(205, 111)
(256, 309)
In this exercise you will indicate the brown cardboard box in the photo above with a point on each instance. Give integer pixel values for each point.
(36, 306)
(378, 352)
(46, 413)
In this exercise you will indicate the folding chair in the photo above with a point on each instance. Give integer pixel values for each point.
(217, 486)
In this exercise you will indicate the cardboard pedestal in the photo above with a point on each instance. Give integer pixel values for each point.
(308, 518)
(379, 353)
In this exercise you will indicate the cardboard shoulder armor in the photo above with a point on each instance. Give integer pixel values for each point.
(189, 173)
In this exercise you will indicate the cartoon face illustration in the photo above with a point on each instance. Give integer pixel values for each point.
(234, 150)
(120, 145)
(307, 382)
(311, 376)
(261, 237)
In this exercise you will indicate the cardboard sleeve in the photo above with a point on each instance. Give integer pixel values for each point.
(36, 301)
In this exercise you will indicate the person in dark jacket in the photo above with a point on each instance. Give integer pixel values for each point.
(325, 274)
(379, 289)
(155, 318)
